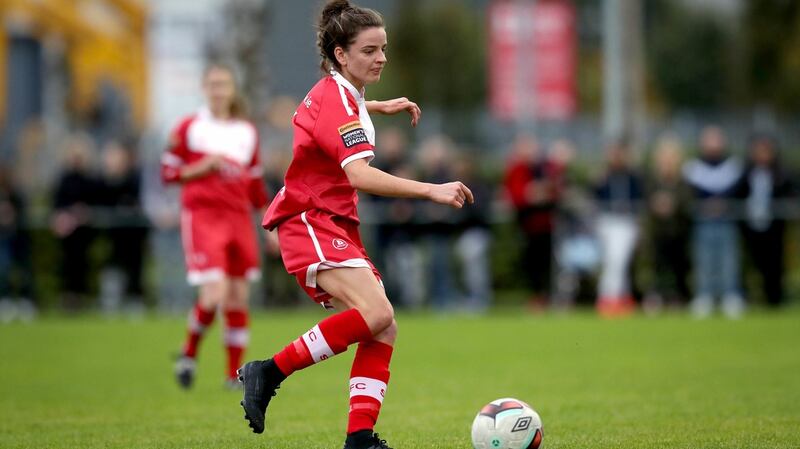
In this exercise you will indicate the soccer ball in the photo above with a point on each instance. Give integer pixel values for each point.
(507, 423)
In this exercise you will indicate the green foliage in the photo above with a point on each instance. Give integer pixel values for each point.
(638, 383)
(772, 30)
(436, 56)
(687, 55)
(698, 60)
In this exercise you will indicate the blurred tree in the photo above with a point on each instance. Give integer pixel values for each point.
(687, 56)
(437, 57)
(590, 56)
(772, 35)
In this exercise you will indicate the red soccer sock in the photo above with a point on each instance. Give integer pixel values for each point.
(330, 337)
(199, 321)
(368, 379)
(237, 336)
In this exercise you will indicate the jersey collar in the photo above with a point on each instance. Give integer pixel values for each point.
(204, 113)
(359, 96)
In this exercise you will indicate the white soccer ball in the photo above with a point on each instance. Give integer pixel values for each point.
(507, 423)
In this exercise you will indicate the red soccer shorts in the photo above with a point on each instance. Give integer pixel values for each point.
(314, 241)
(219, 243)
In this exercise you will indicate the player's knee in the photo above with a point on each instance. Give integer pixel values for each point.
(385, 318)
(379, 316)
(235, 301)
(389, 335)
(234, 304)
(209, 300)
(212, 294)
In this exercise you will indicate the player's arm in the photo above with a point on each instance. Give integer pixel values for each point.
(200, 168)
(369, 179)
(174, 168)
(391, 107)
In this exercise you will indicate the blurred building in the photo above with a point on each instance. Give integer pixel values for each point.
(71, 61)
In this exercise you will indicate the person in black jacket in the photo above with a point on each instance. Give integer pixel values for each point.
(75, 195)
(16, 281)
(765, 189)
(619, 195)
(125, 223)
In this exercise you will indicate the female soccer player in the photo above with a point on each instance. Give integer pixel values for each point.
(214, 155)
(317, 223)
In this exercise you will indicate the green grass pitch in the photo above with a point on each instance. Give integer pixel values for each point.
(667, 382)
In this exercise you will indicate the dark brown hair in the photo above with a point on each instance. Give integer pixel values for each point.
(338, 26)
(238, 108)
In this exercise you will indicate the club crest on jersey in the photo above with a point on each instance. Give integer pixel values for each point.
(339, 244)
(353, 134)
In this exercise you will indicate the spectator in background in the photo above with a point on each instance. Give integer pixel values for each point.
(75, 195)
(396, 232)
(765, 189)
(618, 195)
(15, 271)
(575, 250)
(713, 177)
(475, 238)
(436, 162)
(668, 223)
(533, 185)
(120, 197)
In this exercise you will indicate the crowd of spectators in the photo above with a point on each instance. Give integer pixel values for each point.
(653, 230)
(674, 235)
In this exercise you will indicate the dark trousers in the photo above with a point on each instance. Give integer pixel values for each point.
(671, 266)
(127, 253)
(537, 261)
(75, 261)
(766, 252)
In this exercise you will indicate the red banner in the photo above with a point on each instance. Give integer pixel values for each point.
(532, 60)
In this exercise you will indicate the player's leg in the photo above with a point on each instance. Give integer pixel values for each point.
(210, 296)
(367, 312)
(369, 378)
(204, 251)
(242, 266)
(237, 333)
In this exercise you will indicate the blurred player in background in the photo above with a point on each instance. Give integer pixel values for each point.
(317, 223)
(213, 154)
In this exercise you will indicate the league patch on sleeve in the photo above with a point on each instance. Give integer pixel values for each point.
(353, 134)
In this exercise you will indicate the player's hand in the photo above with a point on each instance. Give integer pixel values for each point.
(213, 162)
(454, 194)
(391, 107)
(273, 245)
(203, 167)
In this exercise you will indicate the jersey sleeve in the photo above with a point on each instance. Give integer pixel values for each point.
(256, 189)
(338, 130)
(174, 158)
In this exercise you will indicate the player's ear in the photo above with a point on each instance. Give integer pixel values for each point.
(341, 57)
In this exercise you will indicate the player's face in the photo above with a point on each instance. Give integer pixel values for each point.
(364, 60)
(219, 89)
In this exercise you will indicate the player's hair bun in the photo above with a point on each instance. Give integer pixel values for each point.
(333, 9)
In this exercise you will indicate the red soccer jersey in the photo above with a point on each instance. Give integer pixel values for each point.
(331, 129)
(238, 184)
